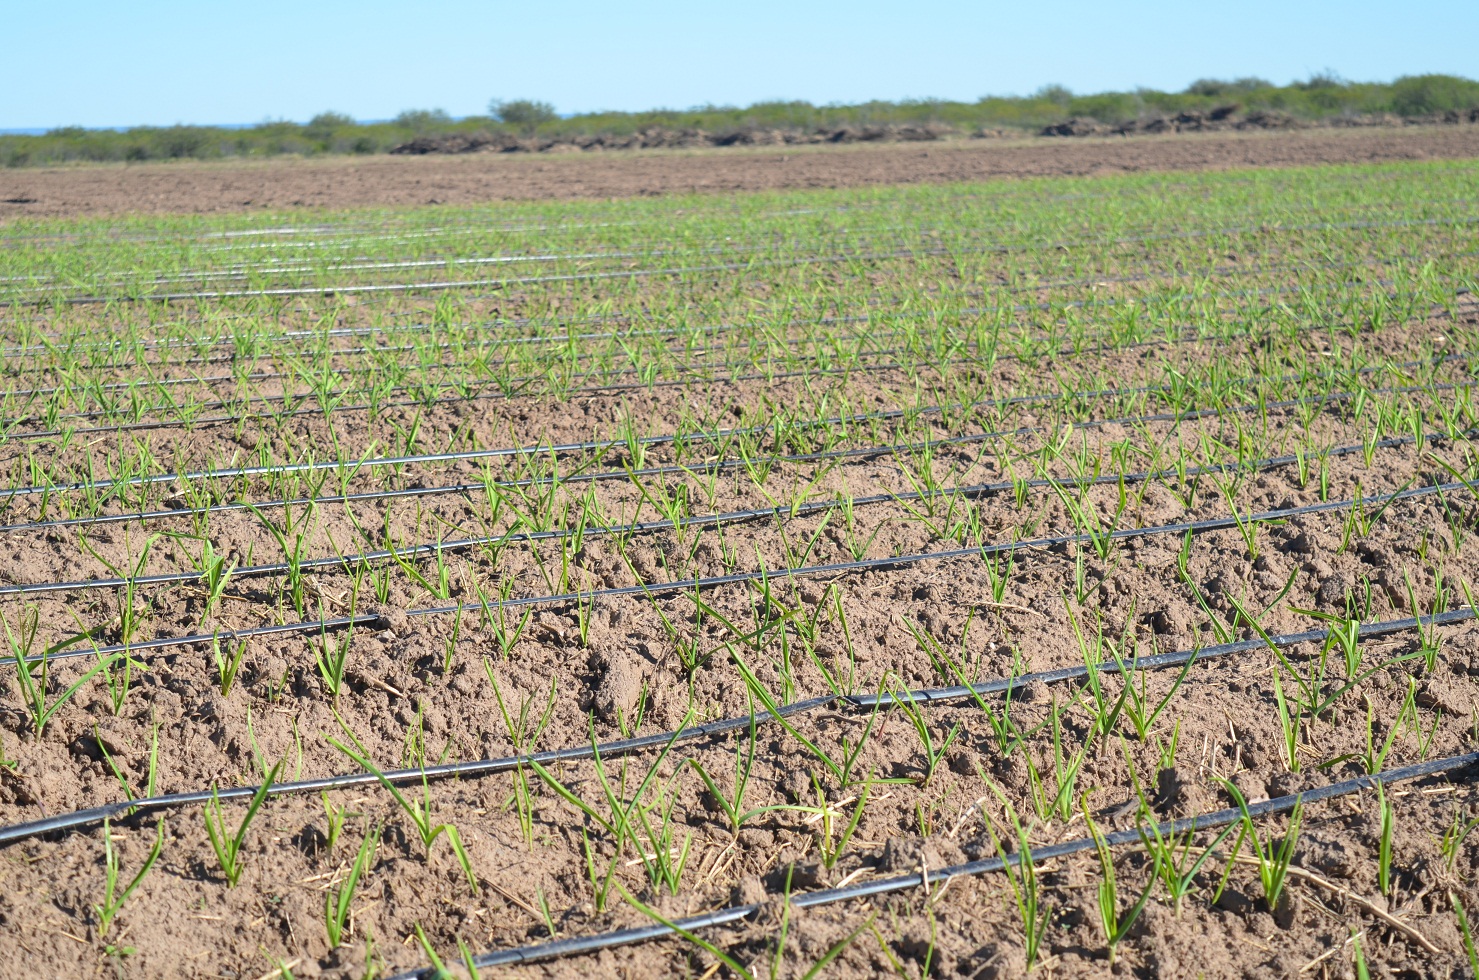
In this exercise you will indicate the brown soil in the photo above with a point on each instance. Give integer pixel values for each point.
(405, 690)
(347, 182)
(423, 688)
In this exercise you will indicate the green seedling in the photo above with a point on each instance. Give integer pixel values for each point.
(227, 844)
(1007, 735)
(1273, 858)
(842, 770)
(294, 530)
(339, 900)
(334, 816)
(419, 811)
(229, 665)
(523, 733)
(113, 899)
(1430, 639)
(215, 575)
(1106, 712)
(1021, 873)
(151, 780)
(331, 657)
(1384, 841)
(831, 845)
(34, 675)
(438, 969)
(733, 803)
(1058, 802)
(506, 638)
(1358, 956)
(1467, 934)
(934, 751)
(1178, 871)
(1453, 838)
(1115, 924)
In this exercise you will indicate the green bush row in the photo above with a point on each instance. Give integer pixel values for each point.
(1320, 97)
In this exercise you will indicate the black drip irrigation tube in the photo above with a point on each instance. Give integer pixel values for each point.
(927, 879)
(600, 445)
(516, 388)
(226, 340)
(324, 626)
(433, 285)
(925, 697)
(716, 466)
(1099, 347)
(980, 248)
(297, 266)
(701, 521)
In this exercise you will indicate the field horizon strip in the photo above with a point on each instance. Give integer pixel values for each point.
(834, 420)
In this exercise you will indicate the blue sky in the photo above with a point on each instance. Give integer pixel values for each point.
(91, 63)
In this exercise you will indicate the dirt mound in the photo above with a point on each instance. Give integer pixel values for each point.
(1223, 118)
(1078, 126)
(659, 138)
(458, 143)
(1230, 118)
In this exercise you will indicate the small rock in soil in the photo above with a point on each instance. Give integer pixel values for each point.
(391, 620)
(748, 891)
(1251, 786)
(618, 690)
(1335, 858)
(1179, 793)
(1443, 693)
(1036, 692)
(1333, 590)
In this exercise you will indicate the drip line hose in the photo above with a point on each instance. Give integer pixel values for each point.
(716, 466)
(432, 285)
(456, 545)
(438, 284)
(324, 626)
(1099, 347)
(298, 266)
(227, 340)
(668, 439)
(561, 948)
(924, 697)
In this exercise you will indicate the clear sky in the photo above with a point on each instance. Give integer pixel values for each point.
(91, 63)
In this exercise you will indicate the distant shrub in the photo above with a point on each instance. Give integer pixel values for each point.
(1215, 88)
(178, 142)
(1418, 95)
(422, 120)
(1111, 107)
(1320, 80)
(330, 120)
(1057, 94)
(524, 114)
(1321, 96)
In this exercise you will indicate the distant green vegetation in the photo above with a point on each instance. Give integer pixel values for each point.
(1320, 97)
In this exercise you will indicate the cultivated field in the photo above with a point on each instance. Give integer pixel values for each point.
(1068, 576)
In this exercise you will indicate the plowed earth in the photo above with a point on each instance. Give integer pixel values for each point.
(196, 188)
(1248, 393)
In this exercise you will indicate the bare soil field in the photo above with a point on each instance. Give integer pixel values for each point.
(864, 581)
(210, 188)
